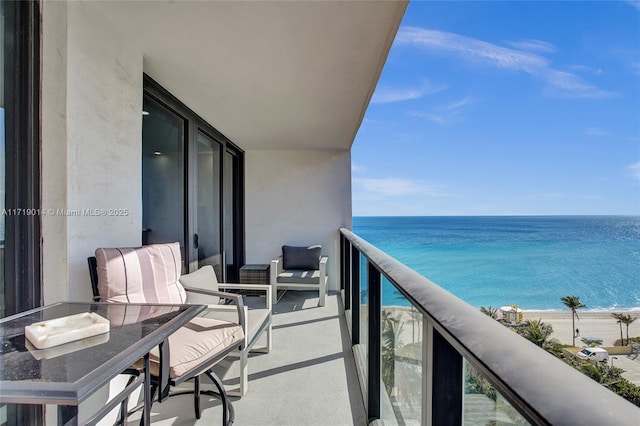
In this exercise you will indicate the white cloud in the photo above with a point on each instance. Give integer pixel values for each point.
(499, 56)
(635, 170)
(560, 83)
(357, 168)
(570, 85)
(446, 113)
(436, 118)
(459, 104)
(385, 95)
(533, 45)
(394, 187)
(635, 4)
(585, 69)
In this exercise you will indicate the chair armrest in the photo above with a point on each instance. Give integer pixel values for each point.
(259, 287)
(228, 308)
(229, 296)
(276, 269)
(323, 266)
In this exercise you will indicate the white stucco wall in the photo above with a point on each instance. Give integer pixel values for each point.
(296, 198)
(54, 148)
(91, 153)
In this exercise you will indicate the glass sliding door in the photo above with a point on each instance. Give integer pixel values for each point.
(207, 232)
(163, 218)
(192, 186)
(20, 232)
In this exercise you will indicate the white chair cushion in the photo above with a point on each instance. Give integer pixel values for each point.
(201, 339)
(204, 278)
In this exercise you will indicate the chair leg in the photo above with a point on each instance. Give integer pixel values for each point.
(148, 405)
(243, 358)
(196, 396)
(244, 371)
(274, 293)
(269, 338)
(228, 415)
(124, 405)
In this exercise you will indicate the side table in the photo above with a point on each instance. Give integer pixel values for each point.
(254, 274)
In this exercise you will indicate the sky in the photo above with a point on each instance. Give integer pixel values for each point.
(505, 108)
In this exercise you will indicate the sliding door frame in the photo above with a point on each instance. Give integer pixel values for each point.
(22, 287)
(22, 251)
(195, 124)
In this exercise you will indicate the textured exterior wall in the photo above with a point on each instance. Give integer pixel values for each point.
(91, 155)
(296, 198)
(54, 148)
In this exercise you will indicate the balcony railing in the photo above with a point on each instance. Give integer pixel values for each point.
(427, 357)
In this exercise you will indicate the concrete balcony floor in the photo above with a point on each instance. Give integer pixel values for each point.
(308, 378)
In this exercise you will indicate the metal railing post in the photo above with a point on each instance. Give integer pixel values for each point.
(345, 257)
(373, 345)
(446, 398)
(355, 296)
(427, 372)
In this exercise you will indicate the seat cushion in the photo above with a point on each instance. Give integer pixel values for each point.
(200, 340)
(204, 278)
(147, 274)
(301, 257)
(297, 276)
(256, 319)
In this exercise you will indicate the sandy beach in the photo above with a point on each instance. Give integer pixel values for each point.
(592, 324)
(600, 325)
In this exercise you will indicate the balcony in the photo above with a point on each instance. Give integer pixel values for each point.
(308, 378)
(436, 360)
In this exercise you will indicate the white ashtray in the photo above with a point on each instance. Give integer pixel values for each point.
(46, 334)
(67, 348)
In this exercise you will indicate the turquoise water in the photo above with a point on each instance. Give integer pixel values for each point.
(531, 261)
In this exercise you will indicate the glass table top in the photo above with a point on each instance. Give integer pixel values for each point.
(73, 370)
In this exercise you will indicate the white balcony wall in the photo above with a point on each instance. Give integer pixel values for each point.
(91, 138)
(296, 198)
(91, 153)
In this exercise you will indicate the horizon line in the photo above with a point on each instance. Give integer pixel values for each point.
(504, 215)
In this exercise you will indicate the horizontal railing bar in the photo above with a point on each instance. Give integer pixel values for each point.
(541, 387)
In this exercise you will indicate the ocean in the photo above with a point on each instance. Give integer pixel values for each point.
(531, 261)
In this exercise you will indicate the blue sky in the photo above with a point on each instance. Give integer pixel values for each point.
(505, 108)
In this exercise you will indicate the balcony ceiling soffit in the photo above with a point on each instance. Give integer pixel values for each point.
(269, 75)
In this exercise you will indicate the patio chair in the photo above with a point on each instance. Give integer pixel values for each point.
(258, 319)
(300, 268)
(150, 274)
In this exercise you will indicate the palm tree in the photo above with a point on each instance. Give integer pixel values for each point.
(573, 303)
(618, 318)
(391, 328)
(536, 332)
(492, 312)
(626, 319)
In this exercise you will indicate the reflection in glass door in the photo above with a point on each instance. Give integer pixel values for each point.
(162, 176)
(207, 228)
